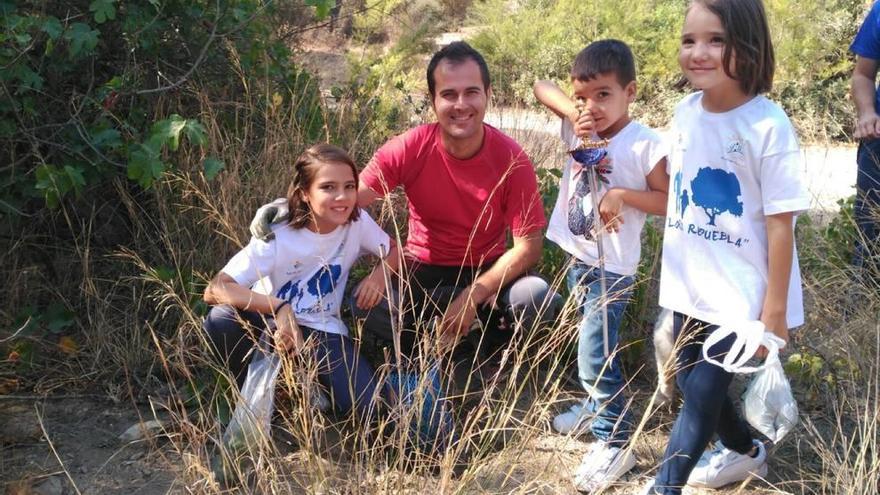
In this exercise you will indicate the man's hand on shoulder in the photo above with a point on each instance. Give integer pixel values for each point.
(268, 214)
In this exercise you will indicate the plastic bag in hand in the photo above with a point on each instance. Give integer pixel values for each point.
(252, 418)
(768, 403)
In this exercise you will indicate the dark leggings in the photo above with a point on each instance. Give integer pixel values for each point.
(341, 369)
(707, 409)
(867, 209)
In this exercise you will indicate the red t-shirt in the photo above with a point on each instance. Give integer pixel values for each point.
(459, 210)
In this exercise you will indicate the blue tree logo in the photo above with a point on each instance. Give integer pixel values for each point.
(716, 191)
(323, 282)
(681, 196)
(318, 285)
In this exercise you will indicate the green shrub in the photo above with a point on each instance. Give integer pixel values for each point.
(531, 40)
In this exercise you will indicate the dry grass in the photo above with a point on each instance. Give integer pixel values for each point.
(144, 322)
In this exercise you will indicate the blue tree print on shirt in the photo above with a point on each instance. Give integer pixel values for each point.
(324, 281)
(289, 291)
(681, 196)
(317, 287)
(716, 191)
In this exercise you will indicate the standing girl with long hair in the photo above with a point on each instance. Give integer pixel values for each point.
(728, 249)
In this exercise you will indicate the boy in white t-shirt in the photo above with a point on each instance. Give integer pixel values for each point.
(633, 182)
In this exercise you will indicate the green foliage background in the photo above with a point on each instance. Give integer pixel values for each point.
(537, 39)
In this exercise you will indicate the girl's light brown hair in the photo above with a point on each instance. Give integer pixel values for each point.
(304, 170)
(748, 38)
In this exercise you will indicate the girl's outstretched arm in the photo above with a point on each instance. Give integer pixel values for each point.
(223, 289)
(780, 253)
(372, 289)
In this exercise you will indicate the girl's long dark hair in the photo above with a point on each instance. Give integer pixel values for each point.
(748, 41)
(304, 170)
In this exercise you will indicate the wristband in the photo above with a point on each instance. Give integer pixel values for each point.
(278, 308)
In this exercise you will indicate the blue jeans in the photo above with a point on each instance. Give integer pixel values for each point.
(706, 410)
(867, 208)
(601, 377)
(341, 369)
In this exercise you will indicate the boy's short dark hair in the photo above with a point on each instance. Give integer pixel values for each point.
(456, 53)
(603, 57)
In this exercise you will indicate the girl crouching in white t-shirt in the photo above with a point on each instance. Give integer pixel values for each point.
(293, 285)
(728, 249)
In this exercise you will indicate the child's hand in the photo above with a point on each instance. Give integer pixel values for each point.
(288, 336)
(583, 124)
(610, 210)
(775, 322)
(371, 290)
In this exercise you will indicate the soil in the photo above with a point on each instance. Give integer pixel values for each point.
(67, 445)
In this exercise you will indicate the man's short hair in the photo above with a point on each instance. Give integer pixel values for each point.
(456, 53)
(603, 57)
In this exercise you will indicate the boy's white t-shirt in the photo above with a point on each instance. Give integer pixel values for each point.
(308, 269)
(727, 172)
(632, 154)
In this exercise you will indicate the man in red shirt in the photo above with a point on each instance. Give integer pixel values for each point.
(467, 184)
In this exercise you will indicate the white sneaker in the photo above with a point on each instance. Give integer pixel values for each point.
(602, 465)
(573, 420)
(722, 466)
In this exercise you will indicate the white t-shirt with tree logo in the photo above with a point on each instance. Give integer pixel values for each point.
(728, 171)
(308, 269)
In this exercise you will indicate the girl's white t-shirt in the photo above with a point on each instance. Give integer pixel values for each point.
(632, 154)
(308, 269)
(728, 171)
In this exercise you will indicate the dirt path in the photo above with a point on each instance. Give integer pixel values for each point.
(71, 445)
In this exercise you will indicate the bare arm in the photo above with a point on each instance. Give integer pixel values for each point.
(373, 288)
(460, 313)
(366, 196)
(549, 94)
(863, 87)
(223, 289)
(780, 253)
(652, 201)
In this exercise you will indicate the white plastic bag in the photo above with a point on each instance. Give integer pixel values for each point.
(251, 420)
(768, 404)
